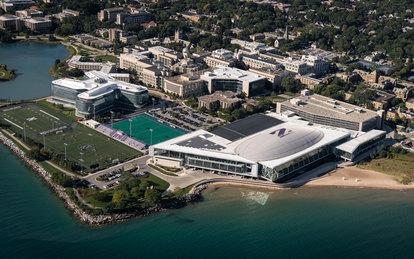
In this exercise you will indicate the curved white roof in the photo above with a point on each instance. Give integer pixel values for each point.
(279, 143)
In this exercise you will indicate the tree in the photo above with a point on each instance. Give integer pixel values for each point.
(289, 84)
(35, 154)
(102, 196)
(119, 196)
(62, 179)
(136, 192)
(152, 196)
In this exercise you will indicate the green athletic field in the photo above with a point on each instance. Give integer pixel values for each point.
(96, 147)
(141, 126)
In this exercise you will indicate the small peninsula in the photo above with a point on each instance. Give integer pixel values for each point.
(6, 74)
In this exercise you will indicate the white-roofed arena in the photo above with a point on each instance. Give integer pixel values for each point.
(266, 146)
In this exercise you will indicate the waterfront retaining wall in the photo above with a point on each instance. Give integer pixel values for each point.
(78, 212)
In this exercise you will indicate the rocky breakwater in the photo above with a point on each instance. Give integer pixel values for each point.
(77, 211)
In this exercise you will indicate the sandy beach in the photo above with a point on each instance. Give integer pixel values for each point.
(346, 177)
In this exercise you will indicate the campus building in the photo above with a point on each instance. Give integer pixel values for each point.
(273, 76)
(38, 24)
(220, 57)
(295, 66)
(98, 93)
(132, 17)
(361, 144)
(147, 72)
(185, 85)
(257, 62)
(167, 57)
(264, 146)
(109, 14)
(326, 111)
(270, 146)
(9, 21)
(7, 5)
(219, 100)
(235, 80)
(316, 65)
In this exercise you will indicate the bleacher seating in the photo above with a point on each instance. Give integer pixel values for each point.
(121, 136)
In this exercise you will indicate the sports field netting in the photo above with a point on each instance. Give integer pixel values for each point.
(59, 129)
(141, 126)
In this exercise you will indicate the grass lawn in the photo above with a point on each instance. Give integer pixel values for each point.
(278, 98)
(112, 59)
(49, 168)
(158, 184)
(402, 165)
(60, 129)
(65, 111)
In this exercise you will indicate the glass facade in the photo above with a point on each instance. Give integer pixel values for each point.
(294, 165)
(229, 166)
(117, 98)
(208, 163)
(65, 92)
(364, 147)
(256, 88)
(227, 85)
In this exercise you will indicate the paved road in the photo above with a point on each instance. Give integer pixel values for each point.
(139, 162)
(185, 178)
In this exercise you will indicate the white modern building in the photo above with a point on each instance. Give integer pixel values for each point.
(235, 80)
(98, 93)
(220, 57)
(264, 146)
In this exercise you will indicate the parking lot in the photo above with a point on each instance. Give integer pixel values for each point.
(187, 118)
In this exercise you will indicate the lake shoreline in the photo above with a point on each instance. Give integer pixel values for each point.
(93, 220)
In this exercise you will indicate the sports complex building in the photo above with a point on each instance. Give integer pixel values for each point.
(327, 111)
(98, 93)
(269, 146)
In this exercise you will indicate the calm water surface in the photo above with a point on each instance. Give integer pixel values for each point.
(31, 62)
(229, 223)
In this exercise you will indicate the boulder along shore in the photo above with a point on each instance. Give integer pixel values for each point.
(72, 206)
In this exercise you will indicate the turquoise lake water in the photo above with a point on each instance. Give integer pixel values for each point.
(299, 223)
(305, 222)
(31, 62)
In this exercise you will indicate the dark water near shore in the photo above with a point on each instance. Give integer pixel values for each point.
(31, 62)
(306, 222)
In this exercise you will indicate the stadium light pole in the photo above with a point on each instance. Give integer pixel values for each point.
(151, 135)
(65, 149)
(112, 118)
(24, 130)
(44, 142)
(130, 127)
(94, 112)
(81, 160)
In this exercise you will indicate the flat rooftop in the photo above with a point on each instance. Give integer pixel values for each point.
(232, 73)
(97, 85)
(328, 107)
(271, 145)
(352, 145)
(246, 127)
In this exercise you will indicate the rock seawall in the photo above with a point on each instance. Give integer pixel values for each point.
(78, 212)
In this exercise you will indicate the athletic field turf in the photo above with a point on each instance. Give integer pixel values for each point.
(59, 129)
(141, 126)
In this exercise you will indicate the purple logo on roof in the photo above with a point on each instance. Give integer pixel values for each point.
(283, 132)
